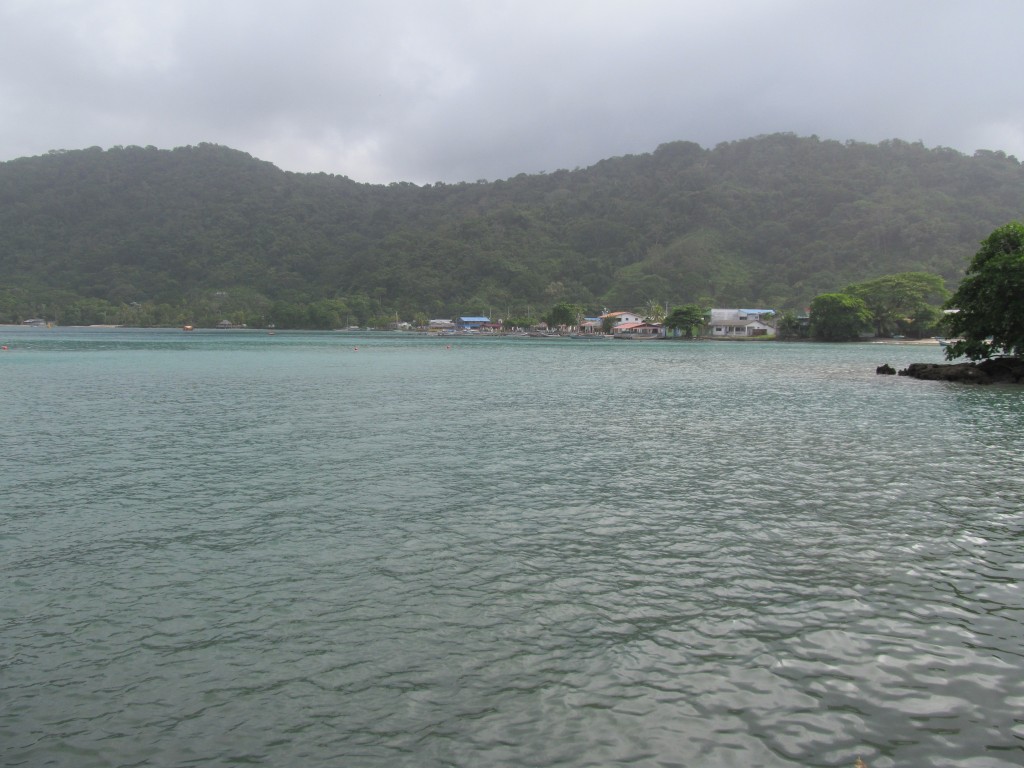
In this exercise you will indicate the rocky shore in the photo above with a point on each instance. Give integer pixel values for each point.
(1001, 370)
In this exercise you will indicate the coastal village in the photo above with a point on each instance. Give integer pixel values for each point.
(720, 324)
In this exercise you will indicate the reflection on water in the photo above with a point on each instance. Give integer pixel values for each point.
(229, 548)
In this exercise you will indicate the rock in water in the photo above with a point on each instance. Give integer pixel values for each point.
(1009, 370)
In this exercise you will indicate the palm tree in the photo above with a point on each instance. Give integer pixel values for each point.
(654, 312)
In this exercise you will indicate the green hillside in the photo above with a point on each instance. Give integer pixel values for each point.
(162, 236)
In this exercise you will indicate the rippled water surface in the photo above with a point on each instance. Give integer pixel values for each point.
(230, 548)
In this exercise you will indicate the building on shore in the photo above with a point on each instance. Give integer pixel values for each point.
(741, 323)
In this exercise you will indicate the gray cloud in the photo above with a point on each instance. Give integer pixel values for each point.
(425, 91)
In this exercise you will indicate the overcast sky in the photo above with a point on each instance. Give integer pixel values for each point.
(442, 90)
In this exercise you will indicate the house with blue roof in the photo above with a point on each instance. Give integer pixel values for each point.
(741, 323)
(467, 323)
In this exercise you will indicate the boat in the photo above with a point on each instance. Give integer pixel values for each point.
(637, 336)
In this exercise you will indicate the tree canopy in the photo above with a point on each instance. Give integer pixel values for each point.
(905, 303)
(901, 302)
(565, 314)
(686, 318)
(838, 317)
(987, 310)
(204, 233)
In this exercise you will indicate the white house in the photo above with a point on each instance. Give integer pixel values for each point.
(736, 323)
(623, 317)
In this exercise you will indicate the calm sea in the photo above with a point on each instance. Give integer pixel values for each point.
(231, 548)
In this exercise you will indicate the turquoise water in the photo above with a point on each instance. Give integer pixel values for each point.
(230, 548)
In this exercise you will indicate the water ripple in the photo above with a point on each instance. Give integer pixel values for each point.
(505, 554)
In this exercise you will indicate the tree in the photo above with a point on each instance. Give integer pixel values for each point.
(564, 314)
(654, 312)
(778, 217)
(897, 301)
(988, 308)
(790, 327)
(838, 317)
(924, 321)
(685, 318)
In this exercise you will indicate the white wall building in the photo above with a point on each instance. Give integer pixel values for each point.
(735, 323)
(623, 317)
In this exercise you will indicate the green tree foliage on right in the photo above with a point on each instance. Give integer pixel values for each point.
(990, 300)
(903, 302)
(907, 303)
(838, 317)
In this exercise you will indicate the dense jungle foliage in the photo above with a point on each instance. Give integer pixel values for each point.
(198, 234)
(989, 304)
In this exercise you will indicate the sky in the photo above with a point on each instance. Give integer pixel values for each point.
(423, 91)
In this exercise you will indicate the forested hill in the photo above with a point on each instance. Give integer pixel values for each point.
(770, 221)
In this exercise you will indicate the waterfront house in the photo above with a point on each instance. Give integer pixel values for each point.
(741, 323)
(639, 330)
(468, 323)
(622, 317)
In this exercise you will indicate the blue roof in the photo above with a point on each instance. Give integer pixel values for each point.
(474, 319)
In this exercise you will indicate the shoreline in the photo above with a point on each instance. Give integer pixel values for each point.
(905, 342)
